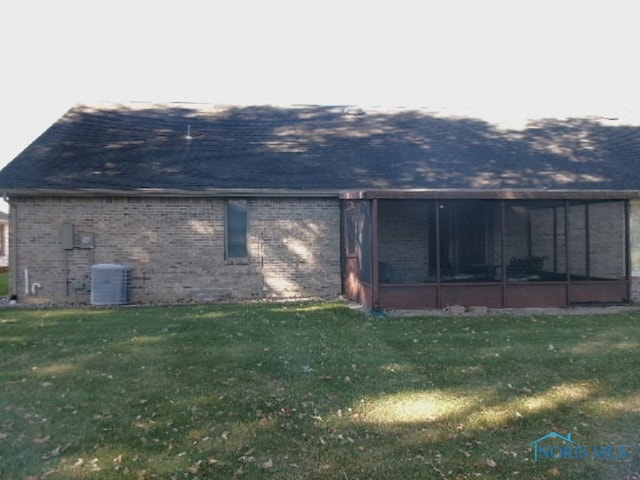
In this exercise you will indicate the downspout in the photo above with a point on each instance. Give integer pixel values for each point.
(26, 280)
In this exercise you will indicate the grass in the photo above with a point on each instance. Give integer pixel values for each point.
(296, 391)
(4, 284)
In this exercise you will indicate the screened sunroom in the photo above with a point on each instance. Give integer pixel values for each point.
(407, 250)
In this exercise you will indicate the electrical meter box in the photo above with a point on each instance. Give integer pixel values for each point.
(83, 240)
(66, 236)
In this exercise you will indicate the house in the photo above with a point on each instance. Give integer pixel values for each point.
(4, 240)
(394, 208)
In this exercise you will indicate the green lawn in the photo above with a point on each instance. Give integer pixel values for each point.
(289, 391)
(4, 284)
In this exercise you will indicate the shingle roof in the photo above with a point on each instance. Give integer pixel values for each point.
(194, 147)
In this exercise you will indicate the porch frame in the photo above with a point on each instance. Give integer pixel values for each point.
(501, 293)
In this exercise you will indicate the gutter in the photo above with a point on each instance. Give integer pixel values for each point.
(499, 194)
(167, 192)
(435, 193)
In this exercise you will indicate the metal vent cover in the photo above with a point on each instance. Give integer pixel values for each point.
(110, 284)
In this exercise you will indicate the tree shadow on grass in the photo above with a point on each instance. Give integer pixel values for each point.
(309, 391)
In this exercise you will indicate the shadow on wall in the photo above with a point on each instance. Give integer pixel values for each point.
(300, 259)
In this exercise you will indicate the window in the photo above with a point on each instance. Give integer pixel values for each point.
(236, 229)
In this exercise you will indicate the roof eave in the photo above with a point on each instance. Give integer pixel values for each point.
(505, 194)
(164, 192)
(500, 194)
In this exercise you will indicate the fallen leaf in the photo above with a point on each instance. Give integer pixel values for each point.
(491, 463)
(267, 464)
(554, 472)
(94, 464)
(143, 475)
(55, 452)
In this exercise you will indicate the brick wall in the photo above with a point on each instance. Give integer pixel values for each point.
(176, 248)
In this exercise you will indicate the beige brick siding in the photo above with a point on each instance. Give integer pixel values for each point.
(175, 247)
